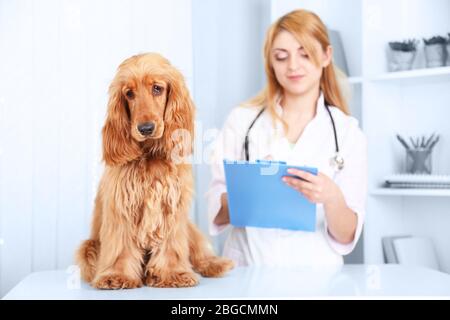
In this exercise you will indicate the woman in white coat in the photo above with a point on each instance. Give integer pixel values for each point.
(296, 127)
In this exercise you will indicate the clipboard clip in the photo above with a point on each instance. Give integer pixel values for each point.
(271, 162)
(270, 167)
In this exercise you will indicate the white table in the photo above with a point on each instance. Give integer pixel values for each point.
(256, 282)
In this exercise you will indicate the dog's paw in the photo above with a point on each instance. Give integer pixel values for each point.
(116, 281)
(214, 266)
(171, 279)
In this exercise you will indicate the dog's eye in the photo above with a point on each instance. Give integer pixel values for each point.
(129, 94)
(157, 90)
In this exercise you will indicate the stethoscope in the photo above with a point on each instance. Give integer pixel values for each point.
(336, 161)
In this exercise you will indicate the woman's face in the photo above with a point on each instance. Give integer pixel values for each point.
(294, 69)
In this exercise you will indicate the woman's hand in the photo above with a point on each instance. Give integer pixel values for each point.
(342, 221)
(317, 189)
(223, 216)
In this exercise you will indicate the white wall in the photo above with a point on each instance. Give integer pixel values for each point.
(56, 61)
(228, 69)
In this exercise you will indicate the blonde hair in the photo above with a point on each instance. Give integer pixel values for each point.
(306, 27)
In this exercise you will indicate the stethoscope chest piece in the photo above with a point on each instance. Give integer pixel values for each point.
(337, 162)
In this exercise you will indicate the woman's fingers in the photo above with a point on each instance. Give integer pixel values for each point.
(304, 175)
(299, 184)
(307, 189)
(317, 189)
(312, 196)
(295, 182)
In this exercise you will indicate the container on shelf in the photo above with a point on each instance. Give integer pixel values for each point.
(402, 54)
(435, 51)
(448, 53)
(418, 161)
(435, 55)
(401, 60)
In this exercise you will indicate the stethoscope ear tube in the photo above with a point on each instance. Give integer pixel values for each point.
(246, 140)
(327, 106)
(247, 156)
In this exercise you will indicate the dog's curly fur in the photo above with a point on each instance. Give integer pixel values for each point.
(141, 233)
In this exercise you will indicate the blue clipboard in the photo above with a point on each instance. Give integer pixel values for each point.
(257, 197)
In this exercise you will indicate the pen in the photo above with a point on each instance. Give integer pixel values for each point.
(403, 142)
(433, 143)
(429, 140)
(412, 142)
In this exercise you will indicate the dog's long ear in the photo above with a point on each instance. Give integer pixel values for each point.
(118, 145)
(179, 119)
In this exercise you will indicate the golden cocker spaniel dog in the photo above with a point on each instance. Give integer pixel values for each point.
(141, 232)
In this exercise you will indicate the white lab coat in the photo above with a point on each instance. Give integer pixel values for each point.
(315, 147)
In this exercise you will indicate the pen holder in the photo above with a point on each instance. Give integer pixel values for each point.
(418, 161)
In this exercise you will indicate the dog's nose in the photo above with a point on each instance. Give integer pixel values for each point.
(146, 128)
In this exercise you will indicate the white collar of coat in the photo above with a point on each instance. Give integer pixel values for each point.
(313, 143)
(320, 111)
(320, 106)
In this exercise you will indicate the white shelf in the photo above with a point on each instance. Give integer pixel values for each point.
(411, 192)
(418, 74)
